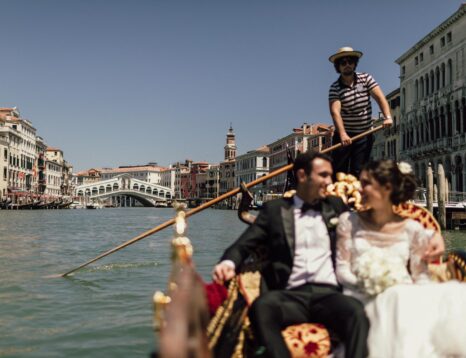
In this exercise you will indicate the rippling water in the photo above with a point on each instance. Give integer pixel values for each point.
(104, 310)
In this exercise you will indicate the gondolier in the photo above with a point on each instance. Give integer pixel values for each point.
(350, 107)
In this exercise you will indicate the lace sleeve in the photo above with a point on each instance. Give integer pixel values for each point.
(344, 251)
(419, 240)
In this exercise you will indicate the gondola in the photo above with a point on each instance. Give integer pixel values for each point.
(225, 332)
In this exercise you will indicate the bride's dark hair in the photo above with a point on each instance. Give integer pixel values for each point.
(387, 172)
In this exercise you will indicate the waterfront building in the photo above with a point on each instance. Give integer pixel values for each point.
(182, 178)
(320, 137)
(387, 141)
(212, 185)
(167, 177)
(433, 101)
(54, 162)
(67, 186)
(21, 137)
(201, 192)
(90, 176)
(296, 142)
(41, 169)
(4, 150)
(227, 167)
(251, 166)
(150, 173)
(198, 181)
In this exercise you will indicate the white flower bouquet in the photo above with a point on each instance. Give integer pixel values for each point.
(378, 269)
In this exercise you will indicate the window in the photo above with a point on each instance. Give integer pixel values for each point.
(442, 41)
(421, 57)
(416, 60)
(449, 37)
(431, 49)
(403, 70)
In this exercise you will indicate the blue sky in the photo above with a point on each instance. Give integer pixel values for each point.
(116, 82)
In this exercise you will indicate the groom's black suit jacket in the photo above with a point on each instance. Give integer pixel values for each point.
(274, 229)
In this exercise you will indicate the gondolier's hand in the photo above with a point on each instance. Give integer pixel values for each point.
(345, 139)
(224, 271)
(435, 248)
(387, 122)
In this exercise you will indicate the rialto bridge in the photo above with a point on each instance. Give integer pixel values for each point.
(123, 190)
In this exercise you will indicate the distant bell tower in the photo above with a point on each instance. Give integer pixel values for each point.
(230, 148)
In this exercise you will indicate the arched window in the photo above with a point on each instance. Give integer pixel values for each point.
(437, 124)
(443, 75)
(458, 117)
(422, 87)
(459, 173)
(450, 71)
(432, 82)
(442, 122)
(449, 121)
(431, 126)
(463, 104)
(427, 84)
(416, 90)
(437, 78)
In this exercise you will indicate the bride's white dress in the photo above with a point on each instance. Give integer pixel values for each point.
(413, 318)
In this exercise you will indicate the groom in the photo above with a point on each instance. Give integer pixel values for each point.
(299, 234)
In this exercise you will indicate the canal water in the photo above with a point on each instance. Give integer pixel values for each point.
(104, 310)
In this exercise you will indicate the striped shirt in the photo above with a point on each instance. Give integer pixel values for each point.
(356, 110)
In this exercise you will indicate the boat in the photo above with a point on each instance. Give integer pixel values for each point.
(76, 205)
(226, 331)
(94, 205)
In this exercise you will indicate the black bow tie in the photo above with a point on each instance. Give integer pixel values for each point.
(317, 206)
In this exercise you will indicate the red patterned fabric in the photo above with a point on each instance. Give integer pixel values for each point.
(216, 294)
(307, 340)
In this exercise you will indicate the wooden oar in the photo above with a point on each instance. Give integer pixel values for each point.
(210, 203)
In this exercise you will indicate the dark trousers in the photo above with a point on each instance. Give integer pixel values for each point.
(350, 159)
(273, 311)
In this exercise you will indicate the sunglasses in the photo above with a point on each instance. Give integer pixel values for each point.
(346, 61)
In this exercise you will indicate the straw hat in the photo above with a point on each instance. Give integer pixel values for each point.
(344, 52)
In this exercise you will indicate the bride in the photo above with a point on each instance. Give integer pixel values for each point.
(380, 260)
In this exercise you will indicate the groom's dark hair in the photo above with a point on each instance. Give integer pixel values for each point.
(305, 160)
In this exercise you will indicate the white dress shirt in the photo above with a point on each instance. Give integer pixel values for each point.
(313, 258)
(312, 254)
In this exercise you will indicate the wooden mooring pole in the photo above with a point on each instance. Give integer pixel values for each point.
(430, 189)
(442, 214)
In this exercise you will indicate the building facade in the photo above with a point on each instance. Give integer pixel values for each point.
(212, 182)
(4, 154)
(387, 141)
(433, 101)
(54, 163)
(296, 142)
(149, 173)
(227, 167)
(167, 178)
(251, 166)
